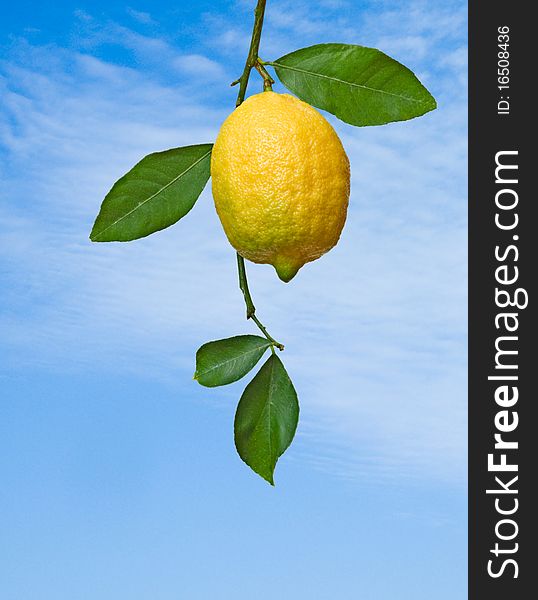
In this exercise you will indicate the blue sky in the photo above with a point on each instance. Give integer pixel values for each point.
(119, 475)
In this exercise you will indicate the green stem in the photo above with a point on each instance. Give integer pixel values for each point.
(253, 62)
(252, 57)
(243, 286)
(267, 79)
(251, 309)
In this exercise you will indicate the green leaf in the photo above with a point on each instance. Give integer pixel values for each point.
(266, 418)
(226, 361)
(154, 194)
(361, 86)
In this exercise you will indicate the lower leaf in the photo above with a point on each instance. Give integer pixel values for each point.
(225, 361)
(266, 418)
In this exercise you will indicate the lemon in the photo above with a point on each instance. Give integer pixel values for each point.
(280, 179)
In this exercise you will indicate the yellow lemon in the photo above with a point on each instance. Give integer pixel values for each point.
(280, 180)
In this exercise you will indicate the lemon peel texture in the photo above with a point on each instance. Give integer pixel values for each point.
(280, 179)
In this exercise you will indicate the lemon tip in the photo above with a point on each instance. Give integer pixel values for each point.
(286, 271)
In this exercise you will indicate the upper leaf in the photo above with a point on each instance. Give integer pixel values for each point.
(266, 418)
(226, 361)
(361, 86)
(154, 194)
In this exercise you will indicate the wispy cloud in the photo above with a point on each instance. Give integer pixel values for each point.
(200, 66)
(152, 53)
(141, 17)
(377, 350)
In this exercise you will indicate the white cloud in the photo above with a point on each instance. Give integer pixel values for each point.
(377, 351)
(198, 65)
(142, 17)
(153, 54)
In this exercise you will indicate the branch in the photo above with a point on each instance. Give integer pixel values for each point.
(253, 62)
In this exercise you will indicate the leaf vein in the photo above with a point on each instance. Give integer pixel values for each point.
(350, 83)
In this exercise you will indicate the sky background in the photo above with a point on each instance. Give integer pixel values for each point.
(119, 475)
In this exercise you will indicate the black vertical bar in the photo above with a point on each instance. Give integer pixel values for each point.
(501, 125)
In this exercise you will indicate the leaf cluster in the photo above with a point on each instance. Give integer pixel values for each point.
(268, 411)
